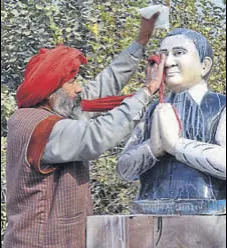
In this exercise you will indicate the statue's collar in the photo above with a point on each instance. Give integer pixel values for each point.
(197, 92)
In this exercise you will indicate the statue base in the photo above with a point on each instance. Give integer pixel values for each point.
(153, 231)
(179, 207)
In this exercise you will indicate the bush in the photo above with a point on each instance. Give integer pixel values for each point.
(7, 106)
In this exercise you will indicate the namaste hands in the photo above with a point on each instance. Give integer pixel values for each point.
(165, 130)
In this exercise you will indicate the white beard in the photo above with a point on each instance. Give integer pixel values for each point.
(67, 106)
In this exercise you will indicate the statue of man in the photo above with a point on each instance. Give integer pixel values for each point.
(181, 171)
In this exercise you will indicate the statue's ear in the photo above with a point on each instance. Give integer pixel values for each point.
(206, 66)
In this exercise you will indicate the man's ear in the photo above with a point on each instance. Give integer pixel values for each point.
(50, 100)
(206, 66)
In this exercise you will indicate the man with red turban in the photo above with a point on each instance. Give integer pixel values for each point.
(51, 139)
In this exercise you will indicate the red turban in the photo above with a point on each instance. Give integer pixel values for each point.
(46, 72)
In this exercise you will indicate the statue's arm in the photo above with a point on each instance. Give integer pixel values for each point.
(209, 158)
(136, 157)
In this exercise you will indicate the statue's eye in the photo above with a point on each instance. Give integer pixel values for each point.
(179, 52)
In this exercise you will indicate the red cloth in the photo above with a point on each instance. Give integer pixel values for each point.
(46, 72)
(103, 104)
(154, 59)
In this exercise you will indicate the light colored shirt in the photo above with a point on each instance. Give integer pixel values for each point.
(86, 139)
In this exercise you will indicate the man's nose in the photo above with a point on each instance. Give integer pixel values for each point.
(77, 89)
(170, 61)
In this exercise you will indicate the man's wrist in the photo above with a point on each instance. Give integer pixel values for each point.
(144, 96)
(149, 90)
(143, 41)
(136, 49)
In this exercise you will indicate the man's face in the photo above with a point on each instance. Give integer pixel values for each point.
(66, 100)
(182, 67)
(72, 88)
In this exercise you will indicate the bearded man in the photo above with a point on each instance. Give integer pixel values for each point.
(51, 140)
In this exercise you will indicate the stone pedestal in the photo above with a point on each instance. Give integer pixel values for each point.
(148, 231)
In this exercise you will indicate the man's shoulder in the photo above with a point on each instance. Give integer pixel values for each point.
(24, 121)
(22, 112)
(28, 115)
(215, 96)
(218, 94)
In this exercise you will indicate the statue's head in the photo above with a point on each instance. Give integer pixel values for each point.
(189, 58)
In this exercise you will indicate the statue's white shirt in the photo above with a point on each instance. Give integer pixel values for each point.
(198, 91)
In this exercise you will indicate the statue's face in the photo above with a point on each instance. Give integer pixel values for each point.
(182, 67)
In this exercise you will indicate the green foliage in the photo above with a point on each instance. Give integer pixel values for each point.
(113, 27)
(111, 195)
(101, 29)
(3, 186)
(29, 25)
(7, 108)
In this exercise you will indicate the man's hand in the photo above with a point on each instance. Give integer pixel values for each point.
(154, 75)
(147, 28)
(155, 138)
(169, 127)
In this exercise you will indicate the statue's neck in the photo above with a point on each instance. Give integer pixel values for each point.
(197, 91)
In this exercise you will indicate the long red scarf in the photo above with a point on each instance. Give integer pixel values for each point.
(108, 103)
(102, 104)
